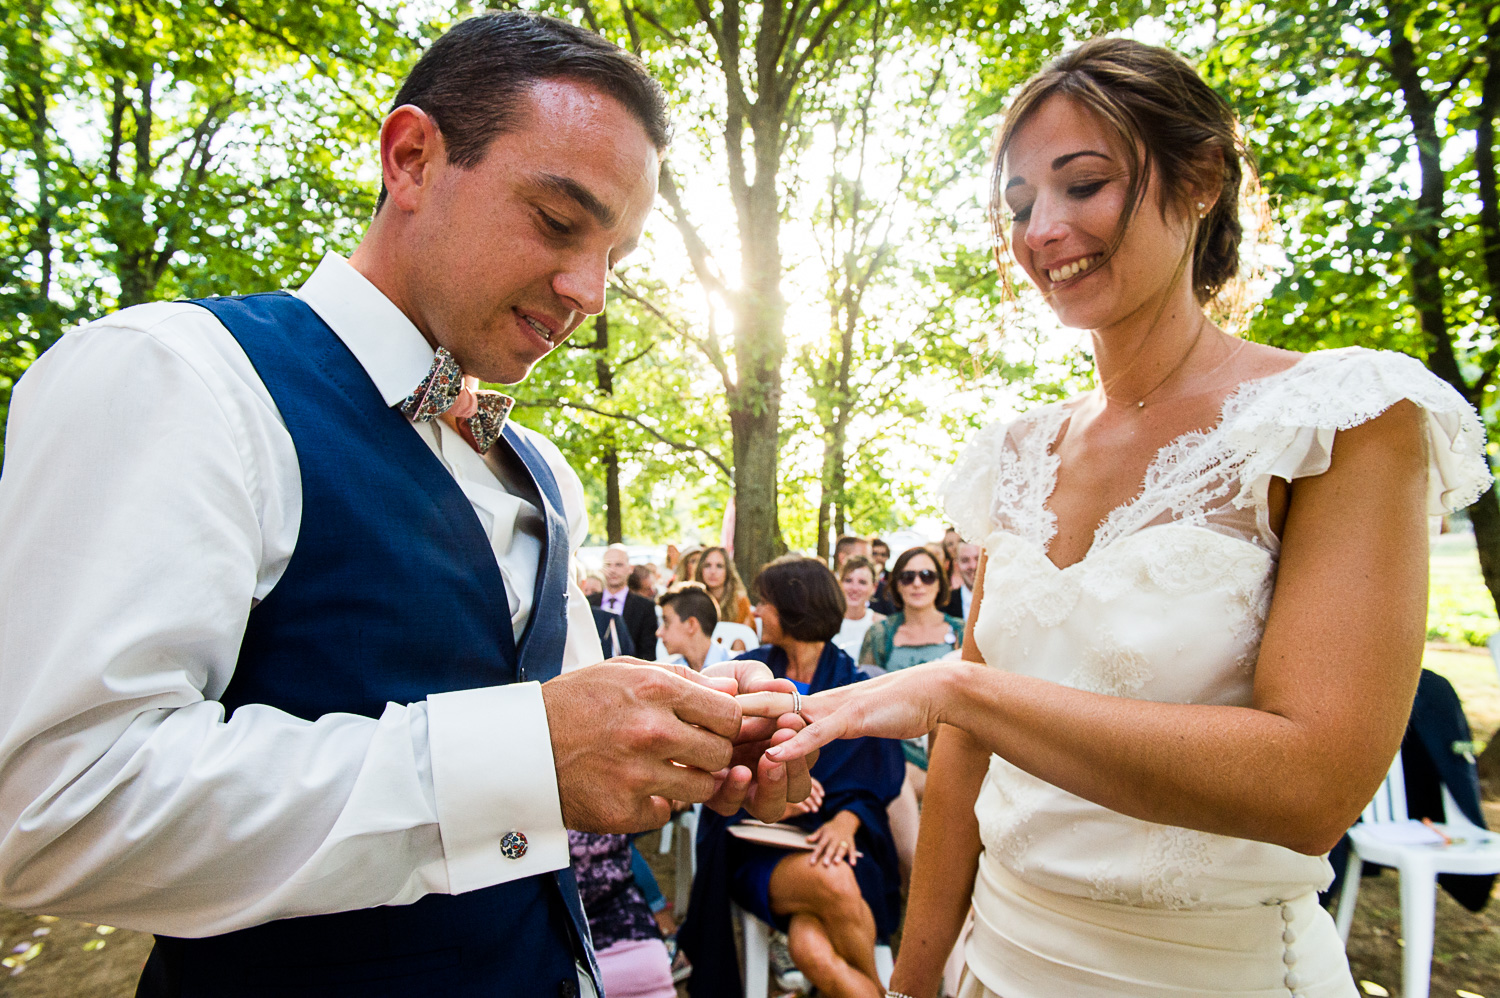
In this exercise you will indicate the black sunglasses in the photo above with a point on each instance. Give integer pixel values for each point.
(927, 575)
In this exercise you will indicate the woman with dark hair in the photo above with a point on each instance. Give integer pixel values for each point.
(837, 900)
(722, 580)
(1200, 613)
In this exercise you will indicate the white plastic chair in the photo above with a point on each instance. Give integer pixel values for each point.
(682, 831)
(757, 936)
(1384, 836)
(727, 633)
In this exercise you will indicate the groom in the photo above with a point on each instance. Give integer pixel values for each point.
(288, 619)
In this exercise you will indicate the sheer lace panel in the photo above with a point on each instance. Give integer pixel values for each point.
(1282, 426)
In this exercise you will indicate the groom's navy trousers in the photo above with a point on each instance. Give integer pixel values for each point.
(391, 594)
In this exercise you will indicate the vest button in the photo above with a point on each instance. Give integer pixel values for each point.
(513, 845)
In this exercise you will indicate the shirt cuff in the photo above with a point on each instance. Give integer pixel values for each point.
(493, 776)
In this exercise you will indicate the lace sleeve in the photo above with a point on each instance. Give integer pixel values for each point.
(967, 491)
(1288, 430)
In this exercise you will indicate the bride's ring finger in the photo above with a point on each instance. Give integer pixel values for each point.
(769, 704)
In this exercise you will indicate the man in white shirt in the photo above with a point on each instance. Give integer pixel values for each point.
(153, 503)
(688, 618)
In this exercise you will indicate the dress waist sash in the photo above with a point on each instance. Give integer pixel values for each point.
(1029, 942)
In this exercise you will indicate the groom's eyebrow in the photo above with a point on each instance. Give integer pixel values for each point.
(570, 188)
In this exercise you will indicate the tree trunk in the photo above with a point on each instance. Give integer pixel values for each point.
(1485, 514)
(604, 374)
(759, 346)
(1425, 258)
(41, 233)
(823, 518)
(614, 527)
(1425, 268)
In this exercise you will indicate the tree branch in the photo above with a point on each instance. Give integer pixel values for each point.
(698, 251)
(708, 344)
(677, 445)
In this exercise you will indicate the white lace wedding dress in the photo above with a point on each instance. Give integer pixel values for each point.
(1169, 605)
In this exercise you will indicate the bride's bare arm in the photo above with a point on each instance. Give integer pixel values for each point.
(947, 857)
(1334, 681)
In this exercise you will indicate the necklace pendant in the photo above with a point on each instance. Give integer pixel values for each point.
(1141, 404)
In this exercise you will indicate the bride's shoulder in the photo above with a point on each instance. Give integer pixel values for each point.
(1284, 424)
(1339, 389)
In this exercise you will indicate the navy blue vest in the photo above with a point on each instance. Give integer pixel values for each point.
(391, 594)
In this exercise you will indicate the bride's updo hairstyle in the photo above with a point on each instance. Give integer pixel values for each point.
(1168, 121)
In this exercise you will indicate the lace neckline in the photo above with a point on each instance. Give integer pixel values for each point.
(1179, 461)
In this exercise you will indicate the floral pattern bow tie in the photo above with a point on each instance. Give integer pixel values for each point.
(478, 414)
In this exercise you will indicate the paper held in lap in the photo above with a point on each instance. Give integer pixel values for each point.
(779, 835)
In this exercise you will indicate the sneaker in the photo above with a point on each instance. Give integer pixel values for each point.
(682, 969)
(784, 971)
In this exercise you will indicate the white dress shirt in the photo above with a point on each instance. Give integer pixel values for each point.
(852, 633)
(150, 495)
(716, 653)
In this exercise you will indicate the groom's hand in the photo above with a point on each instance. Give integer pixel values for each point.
(753, 782)
(629, 737)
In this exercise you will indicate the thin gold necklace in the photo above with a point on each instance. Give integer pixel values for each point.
(1140, 403)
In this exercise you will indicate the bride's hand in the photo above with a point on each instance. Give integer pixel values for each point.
(901, 704)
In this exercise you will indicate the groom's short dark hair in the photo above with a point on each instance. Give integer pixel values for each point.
(471, 78)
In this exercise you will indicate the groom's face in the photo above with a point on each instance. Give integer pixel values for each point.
(509, 256)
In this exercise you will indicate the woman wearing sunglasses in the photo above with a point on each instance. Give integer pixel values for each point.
(918, 631)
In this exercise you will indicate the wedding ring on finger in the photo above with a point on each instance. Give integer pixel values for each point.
(797, 703)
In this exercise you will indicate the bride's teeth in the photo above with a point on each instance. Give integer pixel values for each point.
(1065, 272)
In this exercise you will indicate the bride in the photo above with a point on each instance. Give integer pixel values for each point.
(1201, 611)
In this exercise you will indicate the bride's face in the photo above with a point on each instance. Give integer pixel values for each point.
(1065, 179)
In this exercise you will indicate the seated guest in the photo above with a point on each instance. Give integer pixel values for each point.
(633, 958)
(591, 585)
(968, 567)
(951, 541)
(837, 900)
(857, 576)
(638, 612)
(717, 573)
(642, 581)
(848, 546)
(687, 564)
(613, 636)
(880, 554)
(688, 618)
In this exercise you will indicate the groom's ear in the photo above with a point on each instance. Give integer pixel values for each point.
(411, 148)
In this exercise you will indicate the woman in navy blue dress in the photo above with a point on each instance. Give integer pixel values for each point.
(838, 900)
